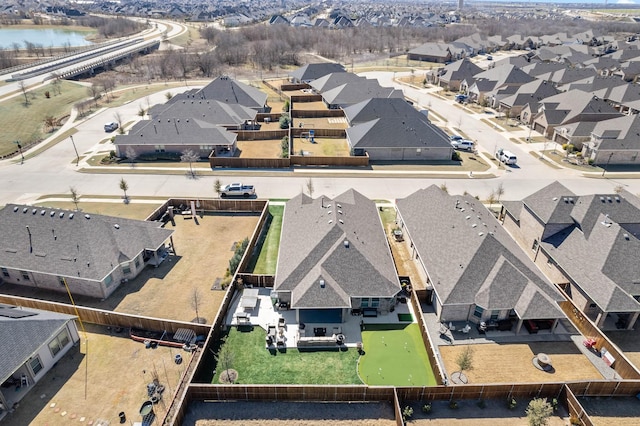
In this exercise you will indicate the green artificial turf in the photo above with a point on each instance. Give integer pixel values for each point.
(395, 356)
(268, 257)
(257, 365)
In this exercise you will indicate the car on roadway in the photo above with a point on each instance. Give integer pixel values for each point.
(237, 190)
(489, 58)
(461, 98)
(506, 157)
(463, 145)
(111, 126)
(455, 138)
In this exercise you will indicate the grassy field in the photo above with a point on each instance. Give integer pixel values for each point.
(256, 365)
(268, 258)
(25, 123)
(395, 356)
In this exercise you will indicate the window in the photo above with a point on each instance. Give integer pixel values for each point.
(494, 315)
(5, 272)
(108, 280)
(206, 147)
(478, 312)
(35, 364)
(365, 303)
(159, 148)
(59, 342)
(375, 302)
(535, 245)
(137, 262)
(126, 268)
(25, 275)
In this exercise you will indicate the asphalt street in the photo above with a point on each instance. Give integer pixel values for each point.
(54, 171)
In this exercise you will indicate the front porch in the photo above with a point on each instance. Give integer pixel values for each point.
(13, 389)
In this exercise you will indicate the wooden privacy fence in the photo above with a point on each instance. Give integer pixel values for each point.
(268, 116)
(428, 345)
(249, 163)
(316, 113)
(108, 318)
(305, 98)
(258, 135)
(362, 161)
(294, 86)
(575, 409)
(622, 365)
(211, 205)
(297, 132)
(257, 280)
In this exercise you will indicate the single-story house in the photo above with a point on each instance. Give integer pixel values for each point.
(334, 258)
(454, 74)
(587, 245)
(474, 271)
(614, 141)
(51, 249)
(228, 91)
(391, 129)
(33, 341)
(308, 73)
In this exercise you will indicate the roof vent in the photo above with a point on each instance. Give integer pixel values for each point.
(70, 215)
(555, 198)
(340, 211)
(116, 226)
(468, 217)
(602, 199)
(341, 221)
(52, 214)
(609, 199)
(626, 237)
(34, 211)
(339, 206)
(329, 212)
(15, 209)
(346, 243)
(480, 234)
(565, 199)
(461, 210)
(322, 283)
(330, 221)
(474, 225)
(25, 210)
(61, 215)
(617, 199)
(42, 212)
(86, 216)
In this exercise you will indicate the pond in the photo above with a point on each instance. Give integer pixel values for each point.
(43, 36)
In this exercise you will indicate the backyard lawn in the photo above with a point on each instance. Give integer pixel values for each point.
(256, 365)
(268, 257)
(395, 356)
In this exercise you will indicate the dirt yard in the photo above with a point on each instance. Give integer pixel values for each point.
(203, 250)
(259, 149)
(507, 363)
(629, 342)
(322, 147)
(619, 411)
(310, 106)
(289, 413)
(495, 413)
(321, 123)
(117, 372)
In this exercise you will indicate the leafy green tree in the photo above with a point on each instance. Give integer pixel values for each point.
(538, 412)
(285, 121)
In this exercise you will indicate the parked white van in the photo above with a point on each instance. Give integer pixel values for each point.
(506, 157)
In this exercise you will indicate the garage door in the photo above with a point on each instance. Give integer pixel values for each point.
(321, 316)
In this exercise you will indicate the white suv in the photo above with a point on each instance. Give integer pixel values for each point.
(463, 144)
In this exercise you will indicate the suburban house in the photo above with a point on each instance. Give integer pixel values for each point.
(436, 52)
(391, 129)
(614, 141)
(452, 75)
(474, 270)
(93, 255)
(334, 258)
(568, 107)
(534, 91)
(495, 83)
(358, 91)
(587, 245)
(33, 341)
(310, 72)
(228, 91)
(333, 80)
(229, 116)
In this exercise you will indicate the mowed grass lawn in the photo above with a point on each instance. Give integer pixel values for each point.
(26, 123)
(395, 356)
(268, 257)
(256, 365)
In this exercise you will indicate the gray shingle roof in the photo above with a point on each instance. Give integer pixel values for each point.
(314, 71)
(28, 334)
(459, 71)
(382, 122)
(627, 128)
(351, 93)
(471, 259)
(214, 112)
(312, 248)
(548, 203)
(72, 247)
(230, 91)
(333, 80)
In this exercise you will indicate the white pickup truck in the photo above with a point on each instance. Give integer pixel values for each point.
(237, 190)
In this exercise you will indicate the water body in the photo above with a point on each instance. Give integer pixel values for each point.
(46, 37)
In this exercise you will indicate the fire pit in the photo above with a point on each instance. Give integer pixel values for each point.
(542, 362)
(146, 408)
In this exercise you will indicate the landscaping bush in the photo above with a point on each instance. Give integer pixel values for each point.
(285, 121)
(426, 408)
(512, 403)
(234, 262)
(456, 156)
(482, 404)
(407, 413)
(159, 156)
(453, 405)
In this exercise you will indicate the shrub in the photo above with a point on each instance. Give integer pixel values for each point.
(512, 403)
(285, 121)
(456, 156)
(538, 412)
(482, 404)
(590, 161)
(426, 408)
(453, 405)
(234, 262)
(407, 413)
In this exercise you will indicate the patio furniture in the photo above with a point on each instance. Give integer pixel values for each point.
(589, 343)
(281, 322)
(466, 329)
(319, 331)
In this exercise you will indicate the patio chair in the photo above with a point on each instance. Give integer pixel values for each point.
(452, 327)
(466, 329)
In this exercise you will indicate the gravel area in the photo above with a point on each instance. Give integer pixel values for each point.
(619, 411)
(289, 413)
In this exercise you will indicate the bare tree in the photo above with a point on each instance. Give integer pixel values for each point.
(491, 199)
(118, 118)
(23, 88)
(444, 187)
(74, 196)
(124, 186)
(188, 156)
(196, 298)
(217, 186)
(50, 121)
(94, 91)
(56, 83)
(131, 154)
(465, 359)
(225, 359)
(499, 192)
(141, 111)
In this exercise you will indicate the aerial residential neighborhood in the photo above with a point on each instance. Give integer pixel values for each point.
(299, 212)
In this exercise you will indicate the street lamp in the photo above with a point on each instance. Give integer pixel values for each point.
(75, 149)
(604, 170)
(20, 149)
